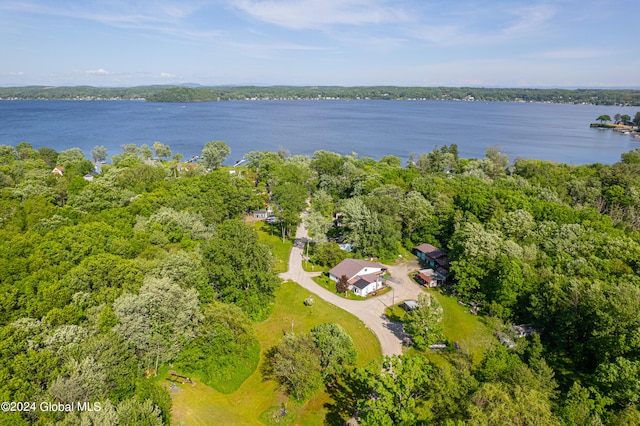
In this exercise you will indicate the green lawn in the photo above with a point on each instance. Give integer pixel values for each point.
(471, 333)
(330, 285)
(230, 371)
(396, 312)
(312, 267)
(473, 336)
(279, 249)
(201, 405)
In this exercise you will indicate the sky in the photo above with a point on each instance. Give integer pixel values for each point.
(504, 43)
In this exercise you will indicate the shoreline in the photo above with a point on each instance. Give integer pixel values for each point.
(326, 99)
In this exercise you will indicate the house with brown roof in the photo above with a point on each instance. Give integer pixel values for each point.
(363, 277)
(430, 278)
(432, 256)
(58, 171)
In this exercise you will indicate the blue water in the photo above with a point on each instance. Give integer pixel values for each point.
(554, 132)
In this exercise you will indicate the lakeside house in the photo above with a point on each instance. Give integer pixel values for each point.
(89, 176)
(432, 256)
(264, 214)
(430, 278)
(363, 277)
(260, 214)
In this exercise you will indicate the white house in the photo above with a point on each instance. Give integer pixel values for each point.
(363, 277)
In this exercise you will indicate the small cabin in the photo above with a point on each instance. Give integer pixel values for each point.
(260, 214)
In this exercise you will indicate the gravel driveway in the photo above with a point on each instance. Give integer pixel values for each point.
(371, 310)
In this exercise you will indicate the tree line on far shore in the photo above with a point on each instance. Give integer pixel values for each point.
(195, 93)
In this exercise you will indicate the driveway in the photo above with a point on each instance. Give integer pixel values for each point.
(371, 310)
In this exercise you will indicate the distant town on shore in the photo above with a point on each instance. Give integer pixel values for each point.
(197, 93)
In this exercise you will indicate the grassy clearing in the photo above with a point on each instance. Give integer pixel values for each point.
(330, 285)
(279, 249)
(291, 313)
(471, 333)
(473, 336)
(227, 375)
(256, 397)
(201, 405)
(274, 416)
(312, 267)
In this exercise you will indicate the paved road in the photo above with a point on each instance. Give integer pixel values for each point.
(370, 311)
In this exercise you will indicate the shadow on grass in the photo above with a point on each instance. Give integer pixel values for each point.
(345, 393)
(396, 313)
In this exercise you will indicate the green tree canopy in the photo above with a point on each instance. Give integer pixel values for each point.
(214, 153)
(336, 348)
(424, 322)
(159, 320)
(295, 364)
(241, 268)
(99, 153)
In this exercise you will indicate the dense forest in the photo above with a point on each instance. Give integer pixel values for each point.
(110, 275)
(624, 97)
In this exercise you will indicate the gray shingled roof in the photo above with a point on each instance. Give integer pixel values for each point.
(361, 284)
(432, 251)
(350, 267)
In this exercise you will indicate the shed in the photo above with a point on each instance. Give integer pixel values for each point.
(410, 305)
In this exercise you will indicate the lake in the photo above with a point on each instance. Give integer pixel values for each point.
(557, 132)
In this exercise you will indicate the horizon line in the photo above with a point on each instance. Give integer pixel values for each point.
(198, 85)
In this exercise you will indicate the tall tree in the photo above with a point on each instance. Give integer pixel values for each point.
(336, 348)
(318, 225)
(99, 153)
(395, 392)
(161, 150)
(214, 153)
(495, 404)
(241, 268)
(158, 320)
(424, 322)
(291, 199)
(145, 152)
(295, 364)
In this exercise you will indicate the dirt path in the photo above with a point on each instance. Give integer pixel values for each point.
(370, 311)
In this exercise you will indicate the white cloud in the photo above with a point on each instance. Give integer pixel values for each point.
(167, 75)
(571, 54)
(99, 71)
(160, 16)
(531, 18)
(481, 26)
(303, 14)
(112, 12)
